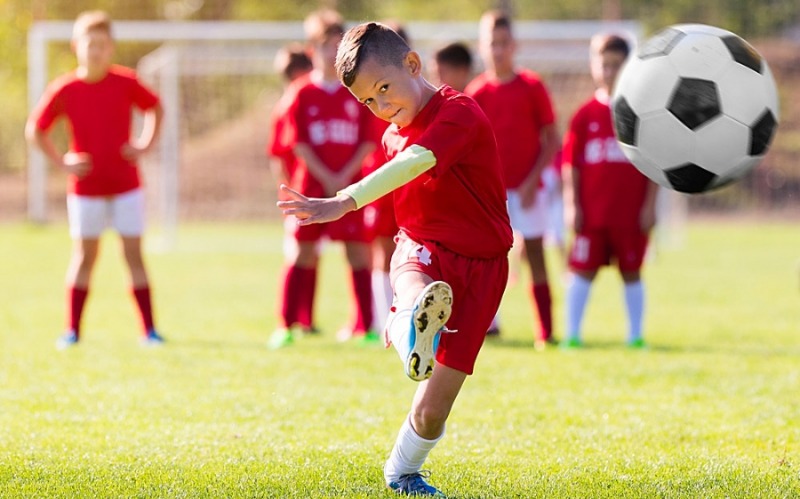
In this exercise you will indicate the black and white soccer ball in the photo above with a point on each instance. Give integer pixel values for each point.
(695, 108)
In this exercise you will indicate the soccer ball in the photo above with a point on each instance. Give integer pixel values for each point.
(695, 108)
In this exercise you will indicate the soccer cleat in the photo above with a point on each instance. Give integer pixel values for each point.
(571, 344)
(66, 340)
(636, 344)
(369, 338)
(152, 339)
(428, 317)
(281, 338)
(541, 345)
(414, 484)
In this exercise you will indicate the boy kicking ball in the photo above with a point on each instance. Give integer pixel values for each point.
(450, 265)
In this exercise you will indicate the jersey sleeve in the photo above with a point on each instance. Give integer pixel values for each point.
(543, 105)
(573, 142)
(451, 134)
(50, 107)
(143, 97)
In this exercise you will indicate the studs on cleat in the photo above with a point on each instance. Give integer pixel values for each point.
(422, 321)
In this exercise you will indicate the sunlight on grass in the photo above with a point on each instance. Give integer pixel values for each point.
(709, 410)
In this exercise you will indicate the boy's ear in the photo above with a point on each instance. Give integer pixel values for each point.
(413, 63)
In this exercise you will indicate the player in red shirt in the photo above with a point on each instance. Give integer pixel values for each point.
(451, 261)
(452, 65)
(292, 62)
(98, 99)
(519, 108)
(613, 204)
(331, 138)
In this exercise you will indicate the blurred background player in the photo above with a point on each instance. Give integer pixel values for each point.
(381, 227)
(452, 65)
(520, 110)
(613, 205)
(97, 99)
(331, 137)
(292, 62)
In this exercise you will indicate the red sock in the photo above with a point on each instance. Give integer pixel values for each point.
(76, 299)
(362, 289)
(544, 305)
(308, 287)
(291, 299)
(142, 296)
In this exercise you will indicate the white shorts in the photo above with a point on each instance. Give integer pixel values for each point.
(89, 216)
(531, 222)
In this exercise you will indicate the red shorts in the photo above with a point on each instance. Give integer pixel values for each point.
(379, 218)
(594, 248)
(349, 228)
(478, 286)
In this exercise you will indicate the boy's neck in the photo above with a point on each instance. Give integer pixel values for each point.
(89, 74)
(503, 75)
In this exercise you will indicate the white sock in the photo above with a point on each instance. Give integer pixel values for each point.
(634, 301)
(495, 321)
(409, 453)
(381, 299)
(577, 296)
(398, 327)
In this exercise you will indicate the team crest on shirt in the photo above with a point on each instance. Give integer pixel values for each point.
(313, 110)
(351, 108)
(594, 126)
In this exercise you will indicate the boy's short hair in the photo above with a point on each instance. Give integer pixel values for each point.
(609, 42)
(291, 59)
(365, 41)
(323, 24)
(399, 29)
(91, 20)
(454, 54)
(493, 19)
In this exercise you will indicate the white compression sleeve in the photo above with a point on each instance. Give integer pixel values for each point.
(410, 163)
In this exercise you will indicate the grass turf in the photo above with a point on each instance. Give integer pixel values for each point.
(709, 410)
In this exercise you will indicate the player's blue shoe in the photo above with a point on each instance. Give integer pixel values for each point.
(414, 484)
(428, 317)
(152, 339)
(66, 340)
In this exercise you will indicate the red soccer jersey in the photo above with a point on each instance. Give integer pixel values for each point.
(611, 190)
(460, 203)
(518, 110)
(99, 117)
(278, 145)
(333, 123)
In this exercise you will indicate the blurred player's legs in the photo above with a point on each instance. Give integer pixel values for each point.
(297, 297)
(531, 223)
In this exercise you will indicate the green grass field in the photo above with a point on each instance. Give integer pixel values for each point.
(711, 410)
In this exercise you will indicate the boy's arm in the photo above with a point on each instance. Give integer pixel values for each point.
(549, 140)
(572, 198)
(151, 126)
(403, 168)
(316, 167)
(355, 164)
(77, 164)
(647, 218)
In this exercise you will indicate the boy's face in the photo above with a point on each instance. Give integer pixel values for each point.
(605, 68)
(452, 75)
(325, 52)
(392, 93)
(94, 49)
(497, 47)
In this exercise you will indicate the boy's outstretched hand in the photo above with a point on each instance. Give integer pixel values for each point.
(314, 210)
